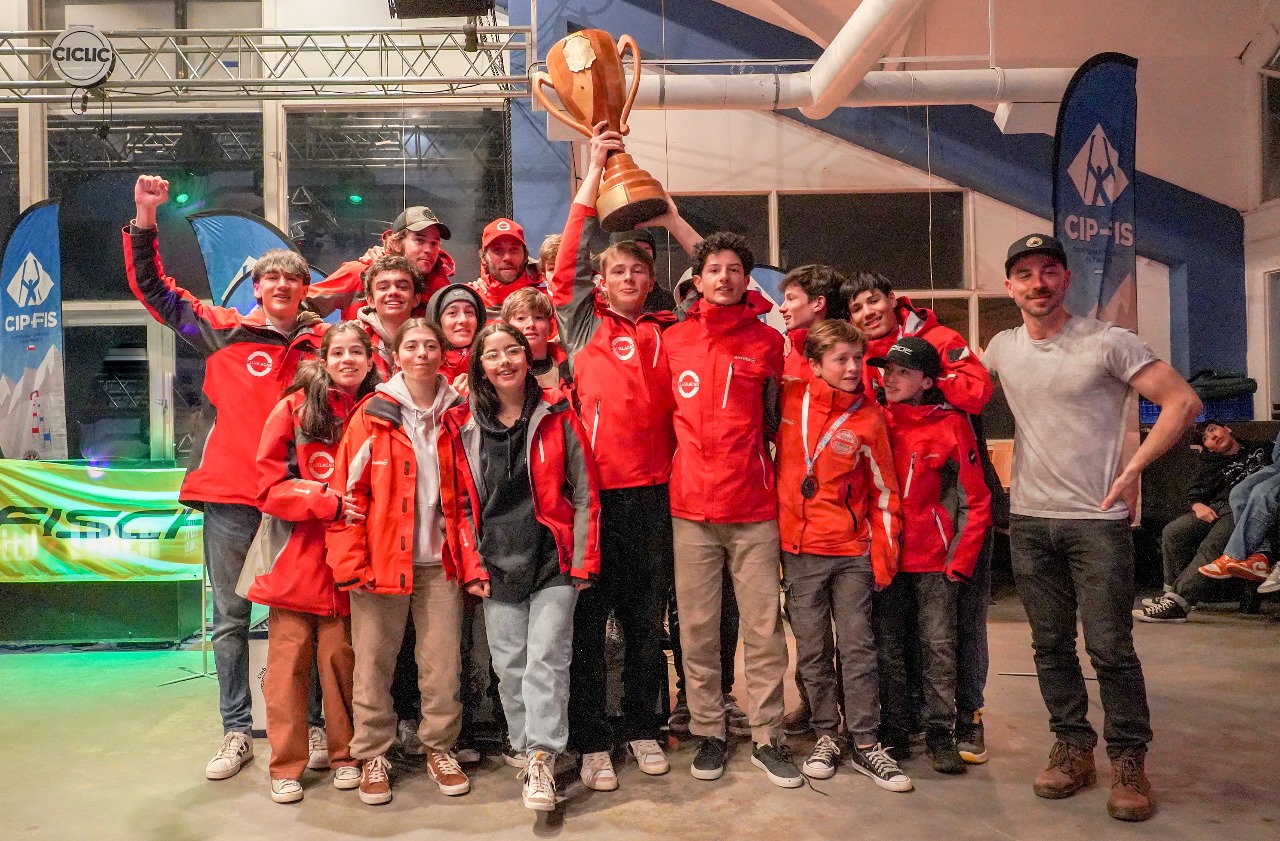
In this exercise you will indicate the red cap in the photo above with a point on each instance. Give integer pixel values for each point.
(501, 228)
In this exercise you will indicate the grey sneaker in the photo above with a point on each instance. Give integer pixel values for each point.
(1272, 584)
(735, 720)
(876, 763)
(775, 760)
(708, 762)
(971, 739)
(679, 720)
(796, 722)
(407, 736)
(317, 749)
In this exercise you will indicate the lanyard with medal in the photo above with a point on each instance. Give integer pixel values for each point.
(809, 487)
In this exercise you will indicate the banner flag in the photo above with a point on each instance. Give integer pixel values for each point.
(231, 241)
(1093, 188)
(63, 522)
(33, 418)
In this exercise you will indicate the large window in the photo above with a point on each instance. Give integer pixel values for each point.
(8, 170)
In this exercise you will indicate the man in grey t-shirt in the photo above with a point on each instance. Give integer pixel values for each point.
(1068, 381)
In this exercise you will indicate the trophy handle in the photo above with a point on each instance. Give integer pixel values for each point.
(539, 81)
(624, 43)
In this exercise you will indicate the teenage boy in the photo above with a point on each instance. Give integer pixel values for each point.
(249, 360)
(946, 510)
(839, 522)
(1068, 380)
(393, 287)
(415, 235)
(725, 367)
(504, 264)
(530, 311)
(884, 317)
(810, 294)
(623, 387)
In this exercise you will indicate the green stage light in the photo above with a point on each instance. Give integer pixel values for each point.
(182, 198)
(355, 198)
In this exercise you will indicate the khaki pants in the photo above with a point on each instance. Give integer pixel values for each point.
(377, 630)
(294, 641)
(750, 553)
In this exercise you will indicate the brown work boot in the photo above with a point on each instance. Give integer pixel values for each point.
(1070, 769)
(444, 769)
(1130, 798)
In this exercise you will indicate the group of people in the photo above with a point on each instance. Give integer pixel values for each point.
(465, 478)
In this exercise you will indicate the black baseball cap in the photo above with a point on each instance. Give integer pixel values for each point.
(911, 352)
(635, 235)
(1034, 244)
(417, 218)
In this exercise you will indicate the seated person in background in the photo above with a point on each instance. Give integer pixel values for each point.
(529, 310)
(1253, 507)
(1201, 534)
(415, 235)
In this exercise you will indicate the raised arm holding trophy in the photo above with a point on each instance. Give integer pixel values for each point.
(585, 70)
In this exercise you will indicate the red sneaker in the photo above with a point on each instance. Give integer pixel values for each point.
(1256, 567)
(1218, 569)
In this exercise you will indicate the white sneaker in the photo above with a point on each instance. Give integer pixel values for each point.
(346, 777)
(1272, 584)
(597, 772)
(649, 756)
(539, 791)
(407, 736)
(317, 749)
(286, 791)
(236, 750)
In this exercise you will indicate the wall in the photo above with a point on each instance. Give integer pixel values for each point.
(1262, 255)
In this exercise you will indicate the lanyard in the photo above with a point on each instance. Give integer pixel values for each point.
(810, 460)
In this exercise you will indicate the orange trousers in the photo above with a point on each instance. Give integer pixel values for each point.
(294, 641)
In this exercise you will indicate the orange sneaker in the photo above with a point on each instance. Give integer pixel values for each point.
(1255, 568)
(1218, 569)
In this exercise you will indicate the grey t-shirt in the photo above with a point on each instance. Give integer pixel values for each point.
(1068, 394)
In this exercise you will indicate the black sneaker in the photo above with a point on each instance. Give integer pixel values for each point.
(876, 763)
(775, 761)
(796, 722)
(513, 757)
(1171, 608)
(941, 746)
(708, 762)
(896, 743)
(970, 740)
(825, 759)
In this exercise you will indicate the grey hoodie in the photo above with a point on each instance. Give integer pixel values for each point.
(368, 316)
(420, 425)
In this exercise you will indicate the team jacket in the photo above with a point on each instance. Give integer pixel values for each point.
(562, 475)
(344, 289)
(494, 293)
(725, 364)
(964, 381)
(247, 366)
(794, 364)
(376, 465)
(946, 507)
(856, 508)
(296, 502)
(621, 379)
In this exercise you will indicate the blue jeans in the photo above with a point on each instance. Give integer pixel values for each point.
(228, 531)
(1065, 567)
(1254, 502)
(531, 644)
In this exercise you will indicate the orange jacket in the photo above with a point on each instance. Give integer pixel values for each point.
(856, 508)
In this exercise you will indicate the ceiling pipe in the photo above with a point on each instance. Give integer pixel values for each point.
(857, 48)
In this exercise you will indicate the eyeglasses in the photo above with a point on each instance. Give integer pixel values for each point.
(514, 353)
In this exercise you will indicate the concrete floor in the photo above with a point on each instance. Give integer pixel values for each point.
(97, 749)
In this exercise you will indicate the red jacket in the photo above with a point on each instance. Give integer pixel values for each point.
(344, 289)
(621, 379)
(794, 364)
(725, 364)
(964, 381)
(562, 474)
(856, 508)
(495, 293)
(377, 466)
(297, 500)
(247, 367)
(946, 507)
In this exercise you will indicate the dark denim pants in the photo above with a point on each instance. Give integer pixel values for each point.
(918, 608)
(972, 656)
(1067, 567)
(228, 531)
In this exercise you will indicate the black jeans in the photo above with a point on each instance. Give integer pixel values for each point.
(1065, 567)
(916, 607)
(972, 656)
(1189, 542)
(636, 572)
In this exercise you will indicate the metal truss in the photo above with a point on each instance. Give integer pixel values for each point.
(189, 65)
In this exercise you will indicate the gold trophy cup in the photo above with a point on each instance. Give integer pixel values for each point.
(585, 70)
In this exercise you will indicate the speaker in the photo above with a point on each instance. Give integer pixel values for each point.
(404, 9)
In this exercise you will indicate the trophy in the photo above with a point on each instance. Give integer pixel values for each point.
(586, 74)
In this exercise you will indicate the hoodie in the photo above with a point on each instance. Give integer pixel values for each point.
(382, 340)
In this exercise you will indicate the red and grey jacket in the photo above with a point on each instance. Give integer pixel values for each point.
(946, 507)
(725, 365)
(344, 289)
(621, 379)
(855, 508)
(297, 501)
(494, 293)
(964, 382)
(562, 475)
(248, 365)
(377, 466)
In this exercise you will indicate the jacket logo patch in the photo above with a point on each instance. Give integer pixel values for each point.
(320, 464)
(844, 442)
(259, 363)
(973, 456)
(624, 347)
(687, 384)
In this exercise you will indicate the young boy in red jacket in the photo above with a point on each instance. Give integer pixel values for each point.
(946, 509)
